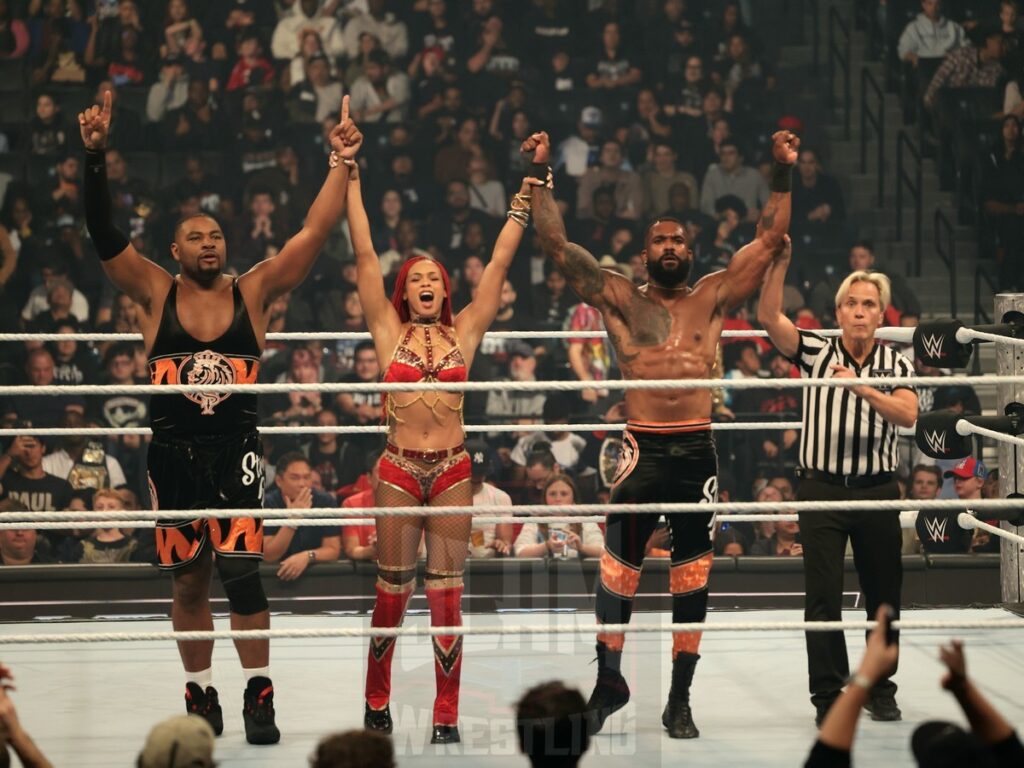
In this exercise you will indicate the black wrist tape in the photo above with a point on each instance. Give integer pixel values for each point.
(782, 178)
(99, 214)
(539, 170)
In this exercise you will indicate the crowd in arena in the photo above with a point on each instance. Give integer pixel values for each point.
(223, 107)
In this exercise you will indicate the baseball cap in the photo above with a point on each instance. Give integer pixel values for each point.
(480, 456)
(969, 467)
(519, 348)
(183, 741)
(591, 117)
(939, 744)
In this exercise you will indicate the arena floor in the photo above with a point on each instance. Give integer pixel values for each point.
(92, 704)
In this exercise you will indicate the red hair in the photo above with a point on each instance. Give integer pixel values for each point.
(398, 295)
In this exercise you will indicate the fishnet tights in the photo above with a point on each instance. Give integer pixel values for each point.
(398, 538)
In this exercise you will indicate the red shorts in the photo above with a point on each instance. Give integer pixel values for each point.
(424, 483)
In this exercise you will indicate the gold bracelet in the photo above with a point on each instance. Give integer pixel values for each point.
(520, 202)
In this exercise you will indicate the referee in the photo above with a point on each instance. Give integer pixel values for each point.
(848, 451)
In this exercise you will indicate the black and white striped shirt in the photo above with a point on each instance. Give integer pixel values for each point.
(842, 434)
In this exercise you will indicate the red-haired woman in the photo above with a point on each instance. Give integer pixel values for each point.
(425, 462)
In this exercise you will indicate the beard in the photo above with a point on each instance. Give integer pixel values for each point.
(669, 277)
(202, 273)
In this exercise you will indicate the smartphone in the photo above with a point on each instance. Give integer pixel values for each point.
(888, 618)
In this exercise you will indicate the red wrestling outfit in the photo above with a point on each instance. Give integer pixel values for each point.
(424, 477)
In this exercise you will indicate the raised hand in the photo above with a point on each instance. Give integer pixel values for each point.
(346, 138)
(540, 145)
(95, 124)
(952, 656)
(785, 147)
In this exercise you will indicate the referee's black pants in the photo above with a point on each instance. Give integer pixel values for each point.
(877, 542)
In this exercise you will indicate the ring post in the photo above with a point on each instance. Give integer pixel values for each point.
(1010, 359)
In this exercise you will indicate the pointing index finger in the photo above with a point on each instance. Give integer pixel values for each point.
(344, 108)
(107, 101)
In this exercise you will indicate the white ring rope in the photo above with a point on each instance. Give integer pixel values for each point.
(540, 510)
(899, 335)
(968, 335)
(418, 630)
(964, 427)
(968, 521)
(344, 521)
(514, 386)
(724, 426)
(894, 334)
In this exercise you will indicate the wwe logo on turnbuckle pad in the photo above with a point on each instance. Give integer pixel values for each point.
(936, 527)
(933, 344)
(936, 441)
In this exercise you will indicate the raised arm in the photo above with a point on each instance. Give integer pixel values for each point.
(746, 269)
(381, 317)
(282, 273)
(127, 269)
(596, 286)
(781, 330)
(476, 318)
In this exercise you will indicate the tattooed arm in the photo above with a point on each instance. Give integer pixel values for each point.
(747, 268)
(596, 286)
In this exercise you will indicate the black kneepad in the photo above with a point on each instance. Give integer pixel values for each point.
(240, 577)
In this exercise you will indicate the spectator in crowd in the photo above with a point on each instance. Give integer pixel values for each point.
(382, 25)
(615, 74)
(551, 725)
(197, 125)
(361, 408)
(485, 192)
(354, 749)
(381, 94)
(552, 300)
(297, 548)
(611, 172)
(83, 462)
(821, 300)
(488, 539)
(540, 467)
(12, 732)
(60, 300)
(18, 545)
(969, 477)
(784, 542)
(74, 362)
(1002, 196)
(991, 741)
(329, 456)
(48, 134)
(170, 91)
(730, 542)
(14, 36)
(969, 67)
(589, 359)
(729, 176)
(661, 176)
(126, 410)
(252, 68)
(690, 97)
(319, 94)
(567, 447)
(449, 225)
(24, 478)
(504, 405)
(180, 28)
(359, 542)
(108, 545)
(41, 410)
(306, 16)
(560, 540)
(818, 210)
(930, 35)
(182, 740)
(580, 150)
(742, 360)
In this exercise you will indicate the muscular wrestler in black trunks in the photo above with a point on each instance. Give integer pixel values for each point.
(665, 329)
(202, 326)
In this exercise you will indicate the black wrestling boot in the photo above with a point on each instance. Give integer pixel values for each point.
(677, 717)
(445, 734)
(206, 704)
(378, 719)
(258, 712)
(611, 693)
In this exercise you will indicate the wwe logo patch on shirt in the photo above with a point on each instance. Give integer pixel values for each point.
(883, 373)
